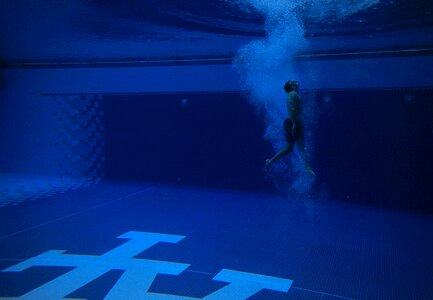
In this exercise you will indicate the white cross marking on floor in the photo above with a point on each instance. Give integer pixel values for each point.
(138, 275)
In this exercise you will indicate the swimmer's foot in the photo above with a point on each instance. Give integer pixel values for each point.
(311, 172)
(268, 164)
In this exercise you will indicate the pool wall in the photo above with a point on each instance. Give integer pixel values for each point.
(374, 135)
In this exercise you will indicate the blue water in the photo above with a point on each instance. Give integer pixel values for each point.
(133, 139)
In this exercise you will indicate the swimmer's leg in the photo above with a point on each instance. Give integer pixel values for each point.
(301, 145)
(286, 150)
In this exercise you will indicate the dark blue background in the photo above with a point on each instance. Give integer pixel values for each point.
(197, 139)
(371, 146)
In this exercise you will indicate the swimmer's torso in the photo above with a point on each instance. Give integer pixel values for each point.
(294, 106)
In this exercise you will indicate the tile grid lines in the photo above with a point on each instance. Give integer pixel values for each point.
(122, 198)
(214, 274)
(321, 293)
(292, 287)
(74, 214)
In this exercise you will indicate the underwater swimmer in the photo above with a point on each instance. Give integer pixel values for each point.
(292, 127)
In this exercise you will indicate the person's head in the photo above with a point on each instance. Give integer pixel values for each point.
(291, 85)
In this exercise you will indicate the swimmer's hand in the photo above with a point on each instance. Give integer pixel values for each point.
(294, 129)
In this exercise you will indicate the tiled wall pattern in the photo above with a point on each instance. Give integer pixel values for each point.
(79, 133)
(78, 146)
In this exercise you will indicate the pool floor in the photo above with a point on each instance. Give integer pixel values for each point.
(153, 241)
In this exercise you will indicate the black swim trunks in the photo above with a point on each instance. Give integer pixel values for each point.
(291, 136)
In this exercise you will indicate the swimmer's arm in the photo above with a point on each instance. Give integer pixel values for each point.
(293, 107)
(294, 128)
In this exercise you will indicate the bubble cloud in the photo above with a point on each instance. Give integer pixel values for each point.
(265, 65)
